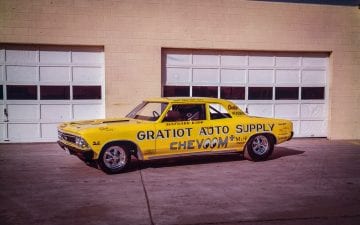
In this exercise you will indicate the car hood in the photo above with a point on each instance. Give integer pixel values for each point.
(100, 123)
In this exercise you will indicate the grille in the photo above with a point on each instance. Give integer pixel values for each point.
(67, 137)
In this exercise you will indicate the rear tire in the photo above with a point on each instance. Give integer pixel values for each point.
(114, 158)
(259, 147)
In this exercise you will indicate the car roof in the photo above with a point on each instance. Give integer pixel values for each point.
(187, 100)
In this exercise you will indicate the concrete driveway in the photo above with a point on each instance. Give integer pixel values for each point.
(307, 181)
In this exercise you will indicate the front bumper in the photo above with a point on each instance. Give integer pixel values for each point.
(86, 156)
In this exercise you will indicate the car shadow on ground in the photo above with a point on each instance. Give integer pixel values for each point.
(280, 152)
(135, 164)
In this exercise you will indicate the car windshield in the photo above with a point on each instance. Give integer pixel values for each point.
(149, 111)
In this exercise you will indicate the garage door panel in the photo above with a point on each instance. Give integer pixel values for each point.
(84, 112)
(257, 60)
(178, 59)
(296, 128)
(87, 57)
(210, 76)
(26, 131)
(56, 112)
(1, 113)
(234, 60)
(49, 130)
(2, 131)
(205, 60)
(87, 74)
(313, 128)
(287, 111)
(233, 76)
(1, 74)
(313, 111)
(314, 61)
(287, 76)
(178, 75)
(22, 55)
(287, 61)
(261, 76)
(21, 73)
(54, 74)
(265, 110)
(313, 77)
(2, 55)
(16, 112)
(55, 55)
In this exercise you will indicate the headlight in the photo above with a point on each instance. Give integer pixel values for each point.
(81, 142)
(60, 135)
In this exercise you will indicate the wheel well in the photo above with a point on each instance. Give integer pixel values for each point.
(131, 146)
(272, 136)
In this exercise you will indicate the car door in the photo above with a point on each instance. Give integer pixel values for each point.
(180, 130)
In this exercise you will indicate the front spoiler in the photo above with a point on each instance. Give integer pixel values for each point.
(86, 156)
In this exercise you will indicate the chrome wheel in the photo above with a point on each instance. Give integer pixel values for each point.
(260, 145)
(115, 157)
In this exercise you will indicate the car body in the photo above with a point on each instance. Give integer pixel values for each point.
(168, 127)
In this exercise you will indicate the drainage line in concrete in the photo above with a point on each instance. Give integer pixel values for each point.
(147, 198)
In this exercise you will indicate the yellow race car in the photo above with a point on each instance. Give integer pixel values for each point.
(169, 127)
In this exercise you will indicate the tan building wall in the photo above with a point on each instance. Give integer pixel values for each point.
(133, 32)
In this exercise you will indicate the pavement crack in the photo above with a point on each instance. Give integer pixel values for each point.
(146, 197)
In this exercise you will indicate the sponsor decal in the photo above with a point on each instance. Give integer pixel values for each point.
(211, 143)
(234, 110)
(248, 128)
(210, 137)
(164, 134)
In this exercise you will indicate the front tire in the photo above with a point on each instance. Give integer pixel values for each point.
(114, 159)
(259, 147)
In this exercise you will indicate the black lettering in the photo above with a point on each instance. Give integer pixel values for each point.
(259, 127)
(199, 143)
(207, 143)
(217, 129)
(202, 131)
(252, 127)
(239, 128)
(150, 135)
(271, 126)
(188, 131)
(172, 146)
(180, 133)
(191, 144)
(213, 143)
(225, 129)
(141, 135)
(159, 134)
(223, 143)
(182, 144)
(167, 133)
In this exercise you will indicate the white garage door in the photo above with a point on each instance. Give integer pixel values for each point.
(281, 85)
(41, 86)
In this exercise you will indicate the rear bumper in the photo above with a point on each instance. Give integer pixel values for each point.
(83, 155)
(291, 136)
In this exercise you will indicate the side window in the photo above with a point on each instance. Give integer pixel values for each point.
(185, 112)
(217, 111)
